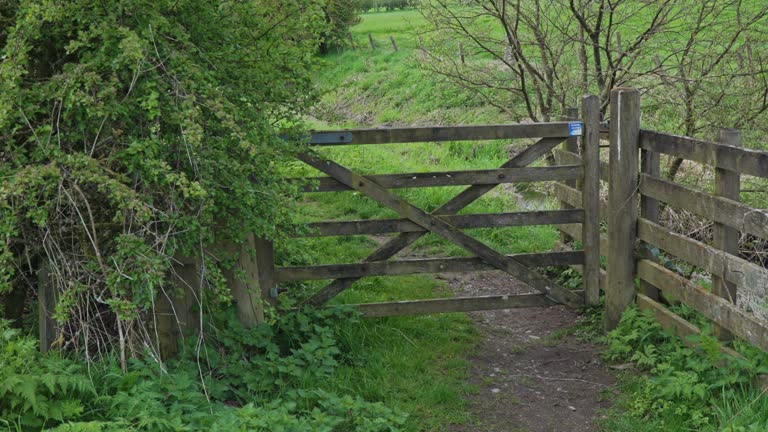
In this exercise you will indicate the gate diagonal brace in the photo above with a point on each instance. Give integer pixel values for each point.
(456, 204)
(434, 224)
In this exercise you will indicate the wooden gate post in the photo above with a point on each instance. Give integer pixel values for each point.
(251, 277)
(622, 202)
(725, 238)
(570, 145)
(46, 304)
(591, 199)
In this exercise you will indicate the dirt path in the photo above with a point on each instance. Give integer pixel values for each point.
(531, 378)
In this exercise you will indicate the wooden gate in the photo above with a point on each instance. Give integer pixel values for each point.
(444, 221)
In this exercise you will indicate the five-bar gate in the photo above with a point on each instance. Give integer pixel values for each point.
(445, 221)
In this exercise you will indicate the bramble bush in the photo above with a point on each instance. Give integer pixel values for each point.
(133, 131)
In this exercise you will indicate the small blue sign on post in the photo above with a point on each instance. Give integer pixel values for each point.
(575, 129)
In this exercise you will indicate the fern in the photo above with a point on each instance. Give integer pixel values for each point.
(252, 379)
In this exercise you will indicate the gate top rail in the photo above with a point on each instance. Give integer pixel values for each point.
(446, 133)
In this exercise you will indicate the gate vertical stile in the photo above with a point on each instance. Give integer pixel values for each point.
(570, 145)
(591, 199)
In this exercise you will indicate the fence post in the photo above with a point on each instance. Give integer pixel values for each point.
(250, 279)
(622, 202)
(370, 40)
(590, 186)
(725, 238)
(461, 52)
(46, 303)
(265, 259)
(175, 311)
(394, 45)
(650, 163)
(570, 145)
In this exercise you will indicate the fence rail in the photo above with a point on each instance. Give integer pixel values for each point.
(636, 195)
(482, 220)
(415, 266)
(452, 178)
(441, 133)
(718, 155)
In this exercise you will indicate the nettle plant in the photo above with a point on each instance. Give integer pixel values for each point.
(133, 131)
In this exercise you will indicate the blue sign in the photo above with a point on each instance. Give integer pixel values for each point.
(575, 129)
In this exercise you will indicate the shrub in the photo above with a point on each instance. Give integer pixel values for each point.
(132, 131)
(267, 378)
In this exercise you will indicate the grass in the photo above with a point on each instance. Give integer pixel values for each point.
(420, 364)
(380, 86)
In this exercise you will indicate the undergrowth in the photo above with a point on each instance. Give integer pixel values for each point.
(682, 388)
(308, 371)
(267, 378)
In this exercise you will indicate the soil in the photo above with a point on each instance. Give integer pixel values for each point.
(532, 375)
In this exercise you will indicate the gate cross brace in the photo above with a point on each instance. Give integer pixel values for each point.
(453, 206)
(434, 224)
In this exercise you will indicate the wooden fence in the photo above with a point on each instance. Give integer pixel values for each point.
(635, 193)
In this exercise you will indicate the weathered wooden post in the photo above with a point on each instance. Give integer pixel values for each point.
(570, 145)
(461, 52)
(590, 187)
(394, 45)
(370, 41)
(650, 163)
(46, 304)
(622, 203)
(252, 280)
(177, 310)
(725, 238)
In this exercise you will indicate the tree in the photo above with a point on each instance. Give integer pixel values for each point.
(133, 131)
(687, 58)
(340, 15)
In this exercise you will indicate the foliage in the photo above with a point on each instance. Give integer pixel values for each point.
(340, 15)
(387, 5)
(699, 66)
(252, 379)
(133, 131)
(686, 389)
(34, 390)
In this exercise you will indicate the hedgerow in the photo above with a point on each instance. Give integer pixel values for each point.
(136, 131)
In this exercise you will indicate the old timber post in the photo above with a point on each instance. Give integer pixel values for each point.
(622, 203)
